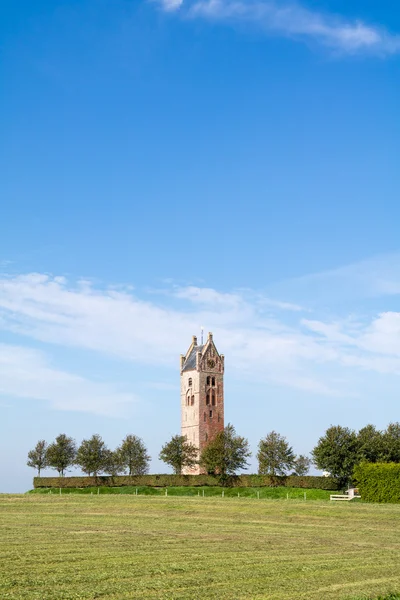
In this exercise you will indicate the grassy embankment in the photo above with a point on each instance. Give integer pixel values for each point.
(262, 493)
(112, 547)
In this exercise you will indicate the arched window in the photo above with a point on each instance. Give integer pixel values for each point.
(208, 399)
(205, 417)
(213, 382)
(210, 414)
(208, 380)
(192, 401)
(213, 402)
(190, 382)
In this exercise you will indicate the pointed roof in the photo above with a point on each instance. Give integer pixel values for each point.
(190, 362)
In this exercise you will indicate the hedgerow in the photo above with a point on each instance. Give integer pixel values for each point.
(378, 482)
(306, 482)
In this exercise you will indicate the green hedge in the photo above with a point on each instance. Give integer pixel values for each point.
(378, 482)
(308, 482)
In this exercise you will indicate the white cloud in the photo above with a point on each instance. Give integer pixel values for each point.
(293, 20)
(170, 5)
(25, 373)
(260, 346)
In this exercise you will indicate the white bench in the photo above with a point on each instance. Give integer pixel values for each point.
(350, 494)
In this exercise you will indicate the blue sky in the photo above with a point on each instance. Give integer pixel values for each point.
(167, 165)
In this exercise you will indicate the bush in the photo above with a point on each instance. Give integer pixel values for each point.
(307, 482)
(378, 482)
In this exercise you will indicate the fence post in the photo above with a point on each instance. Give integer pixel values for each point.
(223, 492)
(60, 491)
(166, 491)
(203, 493)
(198, 492)
(287, 496)
(136, 491)
(305, 495)
(258, 495)
(98, 491)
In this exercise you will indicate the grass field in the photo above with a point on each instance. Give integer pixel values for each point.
(77, 546)
(264, 492)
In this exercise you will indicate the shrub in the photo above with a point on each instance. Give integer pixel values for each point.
(307, 482)
(378, 482)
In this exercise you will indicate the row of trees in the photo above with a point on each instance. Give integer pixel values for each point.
(225, 455)
(337, 452)
(92, 456)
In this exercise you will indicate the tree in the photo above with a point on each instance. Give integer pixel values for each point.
(370, 444)
(92, 455)
(179, 453)
(275, 456)
(226, 454)
(114, 462)
(37, 458)
(134, 455)
(301, 465)
(61, 453)
(391, 443)
(337, 452)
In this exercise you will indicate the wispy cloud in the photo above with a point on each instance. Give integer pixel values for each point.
(171, 5)
(369, 279)
(26, 373)
(295, 21)
(263, 342)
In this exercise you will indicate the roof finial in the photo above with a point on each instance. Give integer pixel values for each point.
(202, 334)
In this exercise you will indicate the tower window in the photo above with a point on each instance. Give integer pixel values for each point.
(208, 399)
(213, 398)
(210, 414)
(192, 400)
(208, 380)
(205, 417)
(213, 381)
(190, 382)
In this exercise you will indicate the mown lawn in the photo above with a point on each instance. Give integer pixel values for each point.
(76, 546)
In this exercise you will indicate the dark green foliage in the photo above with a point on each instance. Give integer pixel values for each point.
(162, 481)
(275, 456)
(337, 453)
(92, 455)
(134, 455)
(378, 482)
(370, 444)
(61, 454)
(225, 454)
(37, 458)
(114, 463)
(301, 465)
(179, 453)
(391, 443)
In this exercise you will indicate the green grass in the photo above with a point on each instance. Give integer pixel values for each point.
(82, 546)
(264, 492)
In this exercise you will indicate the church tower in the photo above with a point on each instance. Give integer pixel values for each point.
(202, 394)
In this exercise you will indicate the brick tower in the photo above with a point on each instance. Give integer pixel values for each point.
(202, 394)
